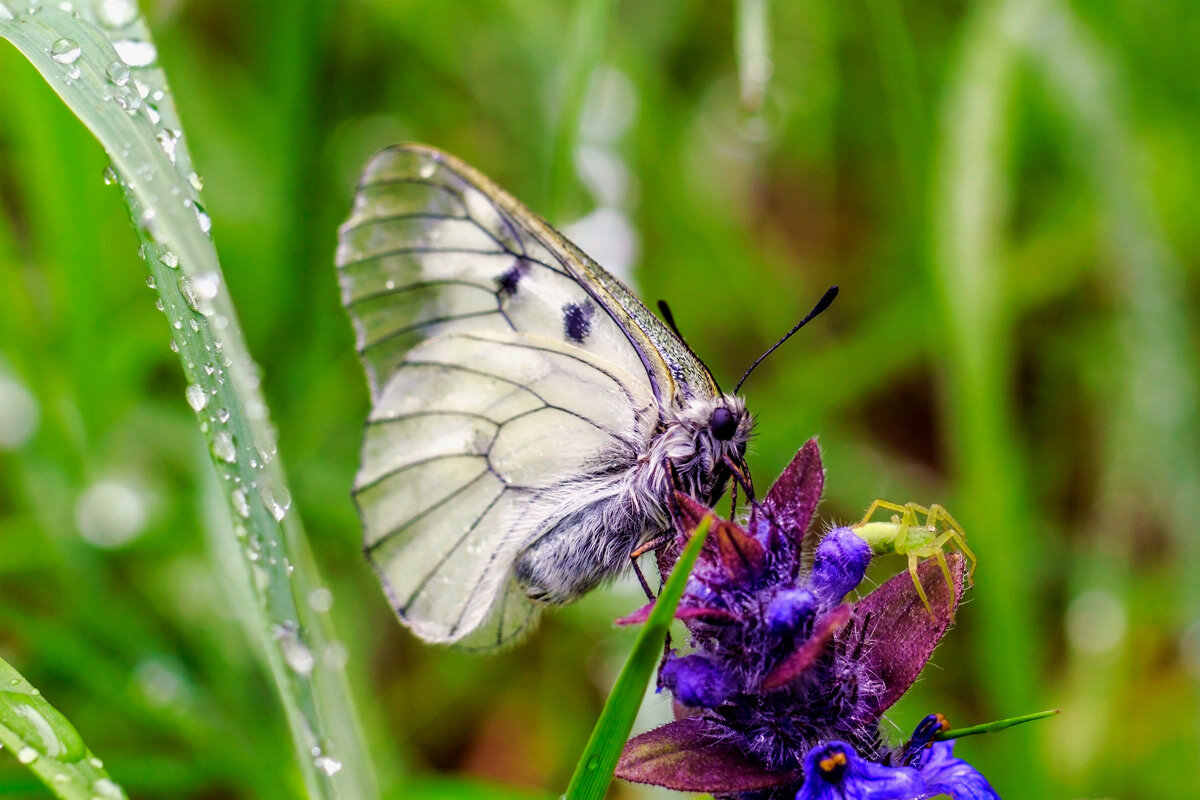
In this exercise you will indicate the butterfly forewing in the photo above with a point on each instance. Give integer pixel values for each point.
(502, 364)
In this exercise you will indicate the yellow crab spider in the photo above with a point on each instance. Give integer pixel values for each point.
(907, 535)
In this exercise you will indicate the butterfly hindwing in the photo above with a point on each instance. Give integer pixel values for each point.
(502, 363)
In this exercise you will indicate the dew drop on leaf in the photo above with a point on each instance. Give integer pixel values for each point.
(327, 765)
(196, 397)
(203, 219)
(240, 504)
(118, 73)
(223, 446)
(170, 259)
(110, 175)
(27, 755)
(65, 51)
(188, 290)
(136, 53)
(128, 100)
(167, 139)
(295, 652)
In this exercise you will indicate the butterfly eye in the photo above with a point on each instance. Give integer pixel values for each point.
(723, 424)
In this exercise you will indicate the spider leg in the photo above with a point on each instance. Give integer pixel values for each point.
(941, 559)
(958, 536)
(878, 504)
(912, 570)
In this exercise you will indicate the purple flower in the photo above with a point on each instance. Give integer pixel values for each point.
(946, 775)
(834, 771)
(785, 683)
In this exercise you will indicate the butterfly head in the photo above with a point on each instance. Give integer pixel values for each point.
(706, 434)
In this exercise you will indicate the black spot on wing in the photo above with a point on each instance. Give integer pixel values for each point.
(506, 282)
(577, 320)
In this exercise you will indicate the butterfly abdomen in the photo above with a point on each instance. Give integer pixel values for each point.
(592, 533)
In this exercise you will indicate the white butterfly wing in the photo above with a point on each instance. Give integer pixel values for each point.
(495, 376)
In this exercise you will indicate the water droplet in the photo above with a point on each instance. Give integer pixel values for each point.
(188, 290)
(136, 53)
(206, 285)
(196, 397)
(295, 652)
(116, 13)
(127, 99)
(107, 790)
(27, 755)
(73, 72)
(170, 259)
(95, 762)
(167, 139)
(240, 504)
(150, 282)
(110, 175)
(223, 446)
(65, 51)
(158, 303)
(118, 73)
(427, 169)
(48, 743)
(278, 505)
(327, 765)
(222, 415)
(196, 181)
(203, 219)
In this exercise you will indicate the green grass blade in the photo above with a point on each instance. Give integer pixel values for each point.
(128, 108)
(972, 188)
(40, 737)
(594, 771)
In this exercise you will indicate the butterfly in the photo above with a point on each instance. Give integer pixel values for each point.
(530, 417)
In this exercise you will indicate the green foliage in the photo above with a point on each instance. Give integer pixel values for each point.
(1009, 210)
(42, 738)
(594, 770)
(86, 55)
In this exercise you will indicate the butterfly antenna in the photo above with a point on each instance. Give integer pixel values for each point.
(665, 310)
(821, 305)
(669, 318)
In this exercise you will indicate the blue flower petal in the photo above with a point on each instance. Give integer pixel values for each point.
(839, 564)
(834, 771)
(945, 774)
(789, 610)
(697, 681)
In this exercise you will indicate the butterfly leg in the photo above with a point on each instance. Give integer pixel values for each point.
(641, 576)
(741, 477)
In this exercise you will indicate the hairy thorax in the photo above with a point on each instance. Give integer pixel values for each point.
(599, 519)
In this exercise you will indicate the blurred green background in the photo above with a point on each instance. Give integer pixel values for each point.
(1001, 189)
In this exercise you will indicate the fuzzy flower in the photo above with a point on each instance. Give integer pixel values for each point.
(782, 692)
